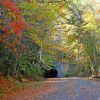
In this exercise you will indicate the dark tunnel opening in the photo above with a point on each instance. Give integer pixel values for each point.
(53, 73)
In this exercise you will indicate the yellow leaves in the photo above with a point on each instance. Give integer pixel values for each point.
(89, 21)
(42, 44)
(36, 5)
(58, 47)
(88, 17)
(60, 9)
(76, 51)
(50, 51)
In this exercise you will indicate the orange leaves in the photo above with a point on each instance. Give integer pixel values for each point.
(62, 48)
(5, 83)
(30, 93)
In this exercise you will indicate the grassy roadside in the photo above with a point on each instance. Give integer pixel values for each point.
(9, 85)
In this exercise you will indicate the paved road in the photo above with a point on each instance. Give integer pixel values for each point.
(73, 89)
(61, 89)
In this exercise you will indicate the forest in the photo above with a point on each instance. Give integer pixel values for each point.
(34, 34)
(49, 49)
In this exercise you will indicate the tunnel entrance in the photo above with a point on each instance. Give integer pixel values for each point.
(53, 73)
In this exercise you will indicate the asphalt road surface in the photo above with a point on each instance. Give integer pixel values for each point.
(62, 89)
(73, 89)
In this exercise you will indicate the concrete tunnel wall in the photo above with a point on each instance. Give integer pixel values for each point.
(59, 67)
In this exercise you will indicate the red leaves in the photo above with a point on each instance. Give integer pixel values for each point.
(17, 27)
(8, 4)
(13, 26)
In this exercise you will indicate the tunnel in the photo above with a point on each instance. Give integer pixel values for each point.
(53, 73)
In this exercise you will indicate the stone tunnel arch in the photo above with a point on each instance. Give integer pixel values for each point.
(55, 72)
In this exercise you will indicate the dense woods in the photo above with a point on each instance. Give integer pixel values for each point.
(34, 34)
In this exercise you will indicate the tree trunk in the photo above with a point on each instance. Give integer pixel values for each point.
(93, 69)
(40, 53)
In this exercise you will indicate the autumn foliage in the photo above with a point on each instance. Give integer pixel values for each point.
(14, 23)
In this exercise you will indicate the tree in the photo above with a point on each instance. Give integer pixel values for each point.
(12, 24)
(86, 28)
